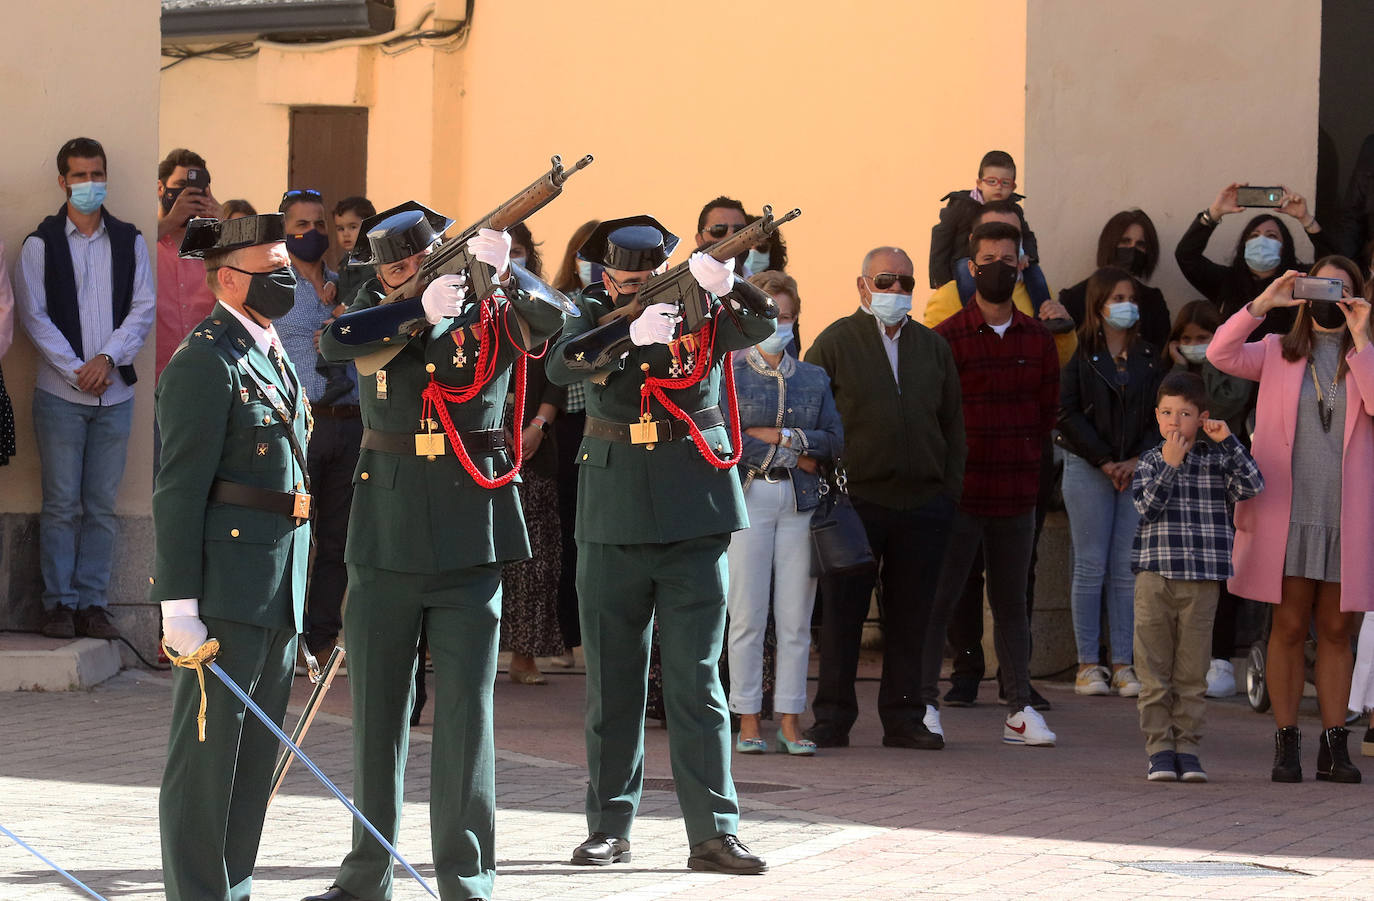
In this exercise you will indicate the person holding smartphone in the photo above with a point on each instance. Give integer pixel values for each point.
(1299, 545)
(183, 297)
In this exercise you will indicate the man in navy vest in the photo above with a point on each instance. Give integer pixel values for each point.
(85, 295)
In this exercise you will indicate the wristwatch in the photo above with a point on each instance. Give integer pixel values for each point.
(541, 422)
(108, 357)
(786, 436)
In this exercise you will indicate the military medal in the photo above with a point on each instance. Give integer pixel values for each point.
(381, 384)
(243, 394)
(460, 357)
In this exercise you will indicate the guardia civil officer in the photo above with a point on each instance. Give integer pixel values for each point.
(654, 519)
(230, 512)
(434, 517)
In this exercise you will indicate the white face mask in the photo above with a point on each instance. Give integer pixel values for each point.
(890, 308)
(778, 340)
(1194, 353)
(584, 272)
(757, 261)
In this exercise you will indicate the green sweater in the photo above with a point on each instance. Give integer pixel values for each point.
(901, 448)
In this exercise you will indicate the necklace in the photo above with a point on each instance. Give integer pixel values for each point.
(1326, 406)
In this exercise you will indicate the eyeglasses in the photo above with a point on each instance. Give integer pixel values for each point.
(625, 287)
(999, 182)
(721, 229)
(884, 280)
(296, 193)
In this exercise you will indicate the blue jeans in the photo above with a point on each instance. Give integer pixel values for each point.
(82, 450)
(1102, 524)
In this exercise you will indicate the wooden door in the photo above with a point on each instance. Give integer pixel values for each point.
(329, 154)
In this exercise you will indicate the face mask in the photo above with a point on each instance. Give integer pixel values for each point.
(273, 293)
(1122, 315)
(778, 340)
(308, 247)
(1132, 259)
(1327, 315)
(890, 309)
(584, 272)
(757, 261)
(1262, 253)
(87, 196)
(1194, 353)
(995, 281)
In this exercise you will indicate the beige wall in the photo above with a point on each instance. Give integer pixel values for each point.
(51, 95)
(862, 115)
(1159, 106)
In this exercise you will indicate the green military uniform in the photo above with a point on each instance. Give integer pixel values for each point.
(652, 529)
(247, 567)
(425, 546)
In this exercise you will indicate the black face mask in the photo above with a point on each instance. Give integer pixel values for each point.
(1132, 259)
(1327, 315)
(995, 281)
(272, 293)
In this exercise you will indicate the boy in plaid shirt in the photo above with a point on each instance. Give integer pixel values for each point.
(1184, 490)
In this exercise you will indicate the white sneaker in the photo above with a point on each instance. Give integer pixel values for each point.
(1221, 679)
(1027, 727)
(932, 720)
(1125, 683)
(1092, 681)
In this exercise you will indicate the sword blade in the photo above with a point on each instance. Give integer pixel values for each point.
(312, 705)
(70, 878)
(276, 730)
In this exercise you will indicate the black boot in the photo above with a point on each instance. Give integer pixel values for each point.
(1333, 760)
(1287, 755)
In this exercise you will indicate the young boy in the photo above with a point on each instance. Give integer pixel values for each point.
(949, 238)
(1184, 490)
(349, 214)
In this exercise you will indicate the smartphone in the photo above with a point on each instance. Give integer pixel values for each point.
(197, 177)
(1324, 289)
(1248, 196)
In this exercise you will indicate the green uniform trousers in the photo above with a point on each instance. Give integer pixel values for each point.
(621, 588)
(461, 611)
(214, 793)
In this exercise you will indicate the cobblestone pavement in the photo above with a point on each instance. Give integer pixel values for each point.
(79, 772)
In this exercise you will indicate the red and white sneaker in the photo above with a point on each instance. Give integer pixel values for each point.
(1027, 727)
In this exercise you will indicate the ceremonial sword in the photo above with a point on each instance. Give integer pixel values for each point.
(322, 679)
(77, 882)
(204, 659)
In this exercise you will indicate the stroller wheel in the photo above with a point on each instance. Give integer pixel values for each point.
(1256, 692)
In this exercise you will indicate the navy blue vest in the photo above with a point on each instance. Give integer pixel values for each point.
(59, 278)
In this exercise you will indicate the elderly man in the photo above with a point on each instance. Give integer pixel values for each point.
(897, 391)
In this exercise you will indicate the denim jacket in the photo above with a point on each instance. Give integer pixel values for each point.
(796, 395)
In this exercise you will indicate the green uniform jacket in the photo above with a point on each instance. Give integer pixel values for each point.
(415, 515)
(630, 495)
(244, 565)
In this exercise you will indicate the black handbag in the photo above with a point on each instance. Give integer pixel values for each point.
(839, 542)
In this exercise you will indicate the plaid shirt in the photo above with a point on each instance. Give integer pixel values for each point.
(1185, 513)
(1011, 398)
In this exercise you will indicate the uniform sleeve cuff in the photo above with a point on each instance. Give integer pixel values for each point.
(180, 607)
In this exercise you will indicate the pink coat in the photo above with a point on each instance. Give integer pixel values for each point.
(1262, 521)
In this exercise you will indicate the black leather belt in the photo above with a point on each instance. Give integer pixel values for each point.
(403, 443)
(776, 474)
(336, 411)
(295, 505)
(668, 429)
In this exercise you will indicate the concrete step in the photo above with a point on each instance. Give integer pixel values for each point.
(31, 662)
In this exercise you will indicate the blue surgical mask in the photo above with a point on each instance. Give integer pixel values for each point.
(1262, 253)
(775, 342)
(87, 196)
(584, 272)
(757, 261)
(1194, 353)
(1122, 315)
(890, 308)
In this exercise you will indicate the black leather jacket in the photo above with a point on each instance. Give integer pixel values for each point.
(1102, 420)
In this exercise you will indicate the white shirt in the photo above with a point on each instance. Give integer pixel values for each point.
(889, 344)
(264, 338)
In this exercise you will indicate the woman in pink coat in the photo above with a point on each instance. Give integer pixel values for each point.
(1314, 442)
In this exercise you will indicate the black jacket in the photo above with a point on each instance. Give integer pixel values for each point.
(1103, 421)
(949, 237)
(1155, 321)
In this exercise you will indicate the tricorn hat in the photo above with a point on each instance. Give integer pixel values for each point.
(397, 233)
(209, 237)
(632, 244)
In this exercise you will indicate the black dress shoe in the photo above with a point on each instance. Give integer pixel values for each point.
(726, 854)
(918, 737)
(334, 894)
(826, 737)
(961, 694)
(600, 849)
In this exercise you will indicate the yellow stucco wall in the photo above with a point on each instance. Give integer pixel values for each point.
(862, 114)
(53, 94)
(1159, 106)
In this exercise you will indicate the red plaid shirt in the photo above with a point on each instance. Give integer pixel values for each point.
(1011, 397)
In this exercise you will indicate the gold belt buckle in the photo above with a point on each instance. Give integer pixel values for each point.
(301, 510)
(645, 431)
(429, 444)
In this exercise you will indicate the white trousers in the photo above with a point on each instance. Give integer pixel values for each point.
(776, 547)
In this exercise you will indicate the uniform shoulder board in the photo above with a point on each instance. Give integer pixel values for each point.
(205, 334)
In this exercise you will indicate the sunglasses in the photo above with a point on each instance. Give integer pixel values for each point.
(721, 229)
(884, 280)
(303, 192)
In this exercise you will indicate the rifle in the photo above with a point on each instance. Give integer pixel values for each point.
(453, 257)
(678, 286)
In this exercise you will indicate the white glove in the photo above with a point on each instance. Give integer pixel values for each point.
(711, 273)
(445, 296)
(656, 325)
(493, 248)
(182, 628)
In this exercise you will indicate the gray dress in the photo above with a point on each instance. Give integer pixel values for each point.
(1314, 524)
